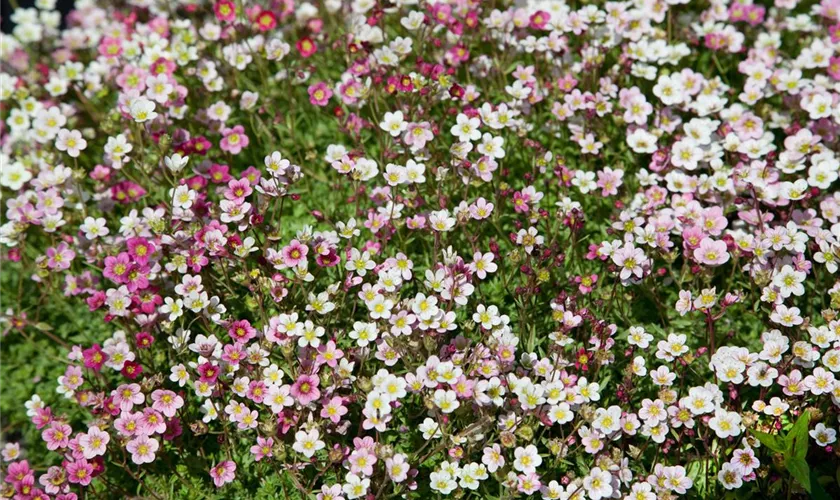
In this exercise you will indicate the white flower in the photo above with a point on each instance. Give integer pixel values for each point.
(447, 401)
(393, 123)
(430, 429)
(584, 181)
(818, 106)
(413, 21)
(823, 435)
(789, 281)
(355, 486)
(176, 162)
(364, 333)
(466, 128)
(442, 482)
(492, 146)
(641, 141)
(598, 484)
(70, 141)
(441, 220)
(607, 420)
(786, 316)
(158, 88)
(527, 459)
(725, 423)
(94, 228)
(143, 110)
(637, 336)
(560, 413)
(183, 197)
(359, 262)
(397, 467)
(307, 443)
(14, 176)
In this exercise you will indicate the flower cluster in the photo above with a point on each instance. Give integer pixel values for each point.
(420, 248)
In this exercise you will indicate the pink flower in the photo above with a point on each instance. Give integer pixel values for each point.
(128, 395)
(238, 190)
(152, 422)
(110, 47)
(94, 443)
(329, 353)
(128, 423)
(60, 257)
(167, 402)
(223, 473)
(305, 389)
(418, 134)
(294, 253)
(320, 94)
(79, 472)
(586, 282)
(609, 181)
(57, 435)
(143, 449)
(18, 471)
(263, 448)
(334, 410)
(234, 140)
(233, 354)
(711, 252)
(361, 461)
(631, 260)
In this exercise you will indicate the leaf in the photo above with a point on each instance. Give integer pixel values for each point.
(817, 490)
(772, 441)
(797, 438)
(799, 469)
(837, 475)
(696, 470)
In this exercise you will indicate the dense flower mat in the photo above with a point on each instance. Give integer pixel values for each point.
(419, 249)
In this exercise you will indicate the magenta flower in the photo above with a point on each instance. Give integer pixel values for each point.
(241, 331)
(208, 372)
(117, 268)
(140, 249)
(320, 94)
(305, 389)
(223, 473)
(94, 357)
